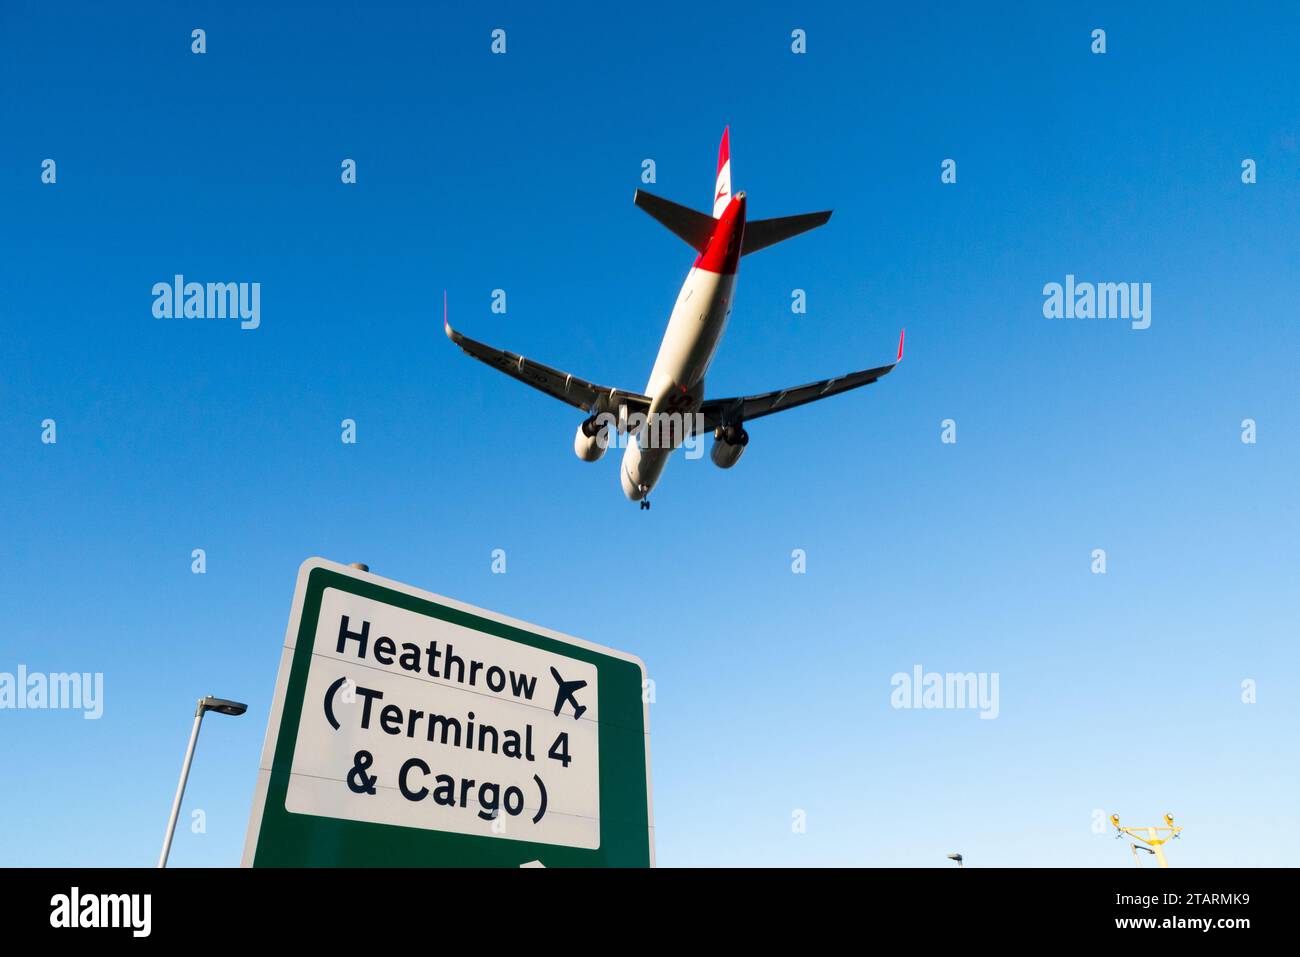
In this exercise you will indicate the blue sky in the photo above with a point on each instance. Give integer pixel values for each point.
(1118, 692)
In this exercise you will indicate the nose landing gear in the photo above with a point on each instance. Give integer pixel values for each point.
(645, 504)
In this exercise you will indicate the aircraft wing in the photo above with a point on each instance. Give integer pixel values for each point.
(741, 409)
(585, 395)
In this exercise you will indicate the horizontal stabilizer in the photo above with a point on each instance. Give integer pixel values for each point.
(761, 233)
(694, 227)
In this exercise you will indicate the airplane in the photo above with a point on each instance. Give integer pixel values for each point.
(695, 328)
(565, 693)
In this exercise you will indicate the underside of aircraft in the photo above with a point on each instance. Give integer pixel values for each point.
(695, 327)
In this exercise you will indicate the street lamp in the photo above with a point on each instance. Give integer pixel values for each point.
(220, 706)
(957, 858)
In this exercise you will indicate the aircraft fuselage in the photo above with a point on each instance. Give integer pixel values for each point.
(695, 328)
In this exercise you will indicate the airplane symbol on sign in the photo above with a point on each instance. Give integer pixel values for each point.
(565, 693)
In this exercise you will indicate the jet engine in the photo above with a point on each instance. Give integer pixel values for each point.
(728, 443)
(591, 439)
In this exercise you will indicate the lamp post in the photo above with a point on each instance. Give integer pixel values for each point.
(220, 706)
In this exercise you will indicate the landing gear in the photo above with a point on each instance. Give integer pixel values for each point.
(645, 504)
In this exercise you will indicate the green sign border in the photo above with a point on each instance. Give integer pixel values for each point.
(286, 839)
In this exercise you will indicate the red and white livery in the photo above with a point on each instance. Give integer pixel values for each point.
(675, 391)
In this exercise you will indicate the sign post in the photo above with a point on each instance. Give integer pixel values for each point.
(408, 729)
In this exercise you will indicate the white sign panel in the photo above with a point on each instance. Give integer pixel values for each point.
(422, 723)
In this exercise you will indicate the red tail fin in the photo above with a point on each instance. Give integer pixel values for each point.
(722, 189)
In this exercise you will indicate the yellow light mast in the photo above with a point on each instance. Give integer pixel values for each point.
(1154, 837)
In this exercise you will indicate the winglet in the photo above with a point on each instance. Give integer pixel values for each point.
(900, 346)
(446, 326)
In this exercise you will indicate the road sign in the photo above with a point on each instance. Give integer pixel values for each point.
(409, 729)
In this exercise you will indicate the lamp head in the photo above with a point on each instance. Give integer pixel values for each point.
(222, 706)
